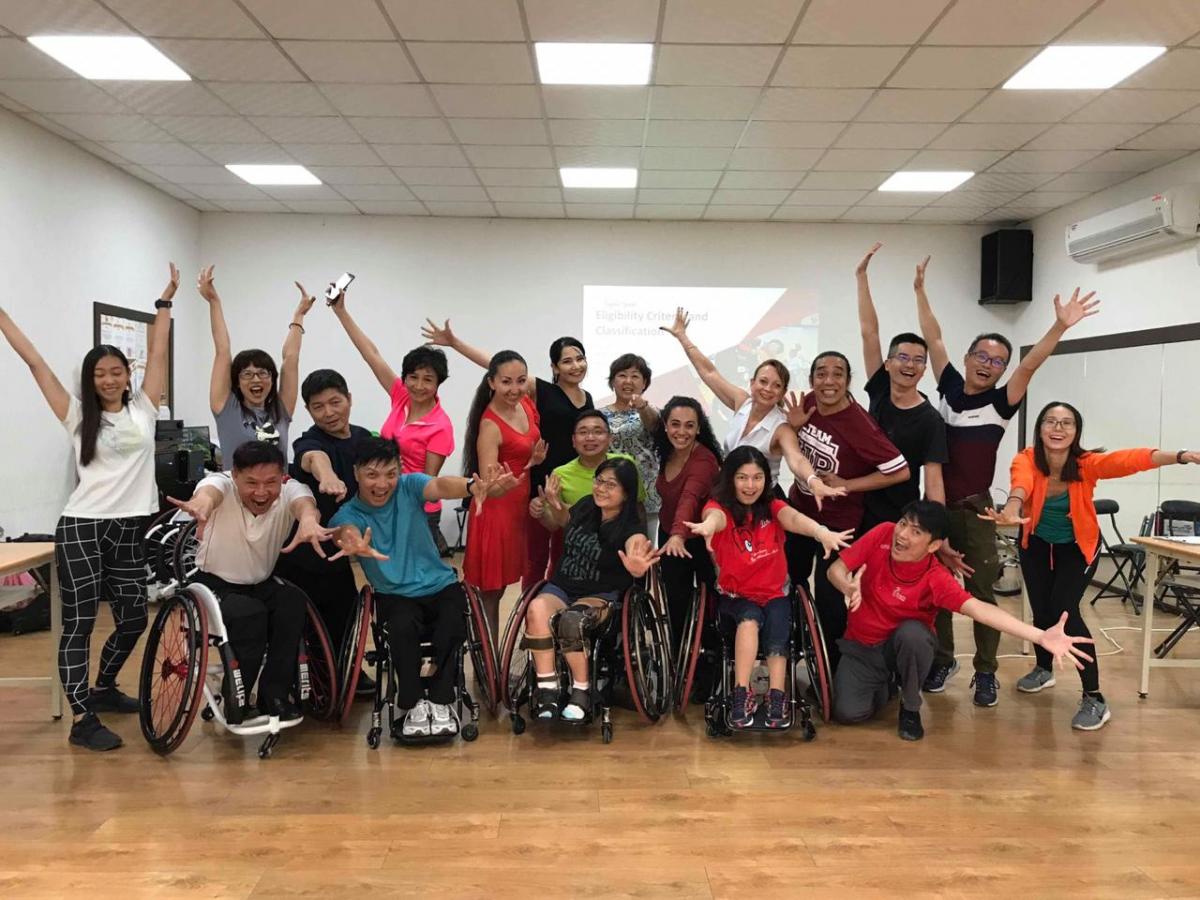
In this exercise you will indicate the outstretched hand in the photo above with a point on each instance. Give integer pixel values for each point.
(350, 543)
(1062, 646)
(1076, 309)
(833, 541)
(919, 278)
(306, 300)
(853, 590)
(538, 456)
(639, 558)
(705, 529)
(954, 561)
(861, 268)
(311, 533)
(794, 407)
(197, 509)
(676, 546)
(678, 328)
(827, 486)
(204, 284)
(1003, 518)
(172, 283)
(438, 336)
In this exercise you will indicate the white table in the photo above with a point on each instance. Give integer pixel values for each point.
(1157, 550)
(16, 557)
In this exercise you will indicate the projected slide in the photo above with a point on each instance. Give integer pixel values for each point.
(736, 327)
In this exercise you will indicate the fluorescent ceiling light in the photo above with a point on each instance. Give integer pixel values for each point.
(274, 174)
(598, 178)
(925, 182)
(1076, 68)
(594, 63)
(110, 58)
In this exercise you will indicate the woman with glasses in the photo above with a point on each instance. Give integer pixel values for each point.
(1051, 500)
(249, 398)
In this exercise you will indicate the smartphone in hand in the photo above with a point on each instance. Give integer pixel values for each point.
(334, 292)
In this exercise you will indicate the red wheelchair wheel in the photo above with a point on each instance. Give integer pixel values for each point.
(483, 652)
(354, 648)
(816, 659)
(647, 666)
(689, 648)
(320, 666)
(174, 666)
(514, 664)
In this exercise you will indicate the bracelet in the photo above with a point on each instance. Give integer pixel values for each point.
(296, 325)
(809, 479)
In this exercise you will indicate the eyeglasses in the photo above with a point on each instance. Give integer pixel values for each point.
(254, 375)
(996, 362)
(904, 359)
(606, 483)
(590, 432)
(1064, 424)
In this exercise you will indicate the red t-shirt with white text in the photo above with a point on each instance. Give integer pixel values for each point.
(749, 558)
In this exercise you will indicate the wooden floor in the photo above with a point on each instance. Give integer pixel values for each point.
(994, 802)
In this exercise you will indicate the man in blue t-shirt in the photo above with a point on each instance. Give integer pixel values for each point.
(384, 525)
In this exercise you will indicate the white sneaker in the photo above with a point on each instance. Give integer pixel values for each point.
(444, 721)
(416, 723)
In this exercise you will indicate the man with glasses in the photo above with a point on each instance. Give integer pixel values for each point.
(977, 411)
(591, 439)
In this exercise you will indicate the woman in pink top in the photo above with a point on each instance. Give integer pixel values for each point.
(417, 422)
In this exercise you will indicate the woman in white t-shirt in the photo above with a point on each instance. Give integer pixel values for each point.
(98, 539)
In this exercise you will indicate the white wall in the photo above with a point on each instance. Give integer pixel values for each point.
(76, 230)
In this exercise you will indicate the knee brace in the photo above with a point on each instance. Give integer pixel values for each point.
(576, 625)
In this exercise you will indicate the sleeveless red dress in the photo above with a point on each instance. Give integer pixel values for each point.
(496, 552)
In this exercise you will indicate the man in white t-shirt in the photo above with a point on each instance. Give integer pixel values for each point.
(244, 518)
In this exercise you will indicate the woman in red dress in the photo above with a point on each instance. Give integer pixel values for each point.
(502, 428)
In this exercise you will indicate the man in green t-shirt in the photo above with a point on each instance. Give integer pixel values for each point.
(591, 439)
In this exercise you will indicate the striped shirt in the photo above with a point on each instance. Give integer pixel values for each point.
(975, 426)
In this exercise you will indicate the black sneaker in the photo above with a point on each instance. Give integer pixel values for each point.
(112, 700)
(89, 733)
(284, 710)
(776, 709)
(935, 681)
(744, 706)
(910, 728)
(986, 686)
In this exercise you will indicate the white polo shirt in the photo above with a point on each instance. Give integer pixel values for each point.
(238, 546)
(760, 435)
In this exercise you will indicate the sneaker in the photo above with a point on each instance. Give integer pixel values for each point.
(443, 721)
(744, 706)
(910, 728)
(985, 689)
(89, 733)
(112, 700)
(776, 709)
(935, 681)
(278, 708)
(1093, 713)
(416, 723)
(1038, 679)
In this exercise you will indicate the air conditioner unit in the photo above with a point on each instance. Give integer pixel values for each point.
(1165, 218)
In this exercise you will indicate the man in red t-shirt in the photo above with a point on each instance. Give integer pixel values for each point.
(894, 588)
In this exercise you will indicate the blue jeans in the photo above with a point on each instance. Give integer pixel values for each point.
(774, 620)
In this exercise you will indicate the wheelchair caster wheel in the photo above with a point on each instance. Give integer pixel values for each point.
(1142, 695)
(808, 731)
(711, 730)
(470, 731)
(518, 724)
(606, 733)
(264, 752)
(373, 738)
(207, 714)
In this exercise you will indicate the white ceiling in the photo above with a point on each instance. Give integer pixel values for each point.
(758, 109)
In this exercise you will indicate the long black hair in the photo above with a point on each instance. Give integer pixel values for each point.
(704, 433)
(557, 348)
(1070, 469)
(627, 475)
(725, 493)
(262, 359)
(89, 400)
(483, 396)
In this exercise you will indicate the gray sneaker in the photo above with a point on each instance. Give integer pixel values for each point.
(1093, 713)
(416, 723)
(1038, 679)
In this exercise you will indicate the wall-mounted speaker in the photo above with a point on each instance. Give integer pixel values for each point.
(1006, 266)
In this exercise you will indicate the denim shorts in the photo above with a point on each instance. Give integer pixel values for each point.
(609, 597)
(774, 620)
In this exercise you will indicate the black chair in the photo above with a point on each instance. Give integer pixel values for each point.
(1178, 518)
(1129, 560)
(460, 516)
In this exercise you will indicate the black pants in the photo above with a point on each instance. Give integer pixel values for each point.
(98, 558)
(860, 688)
(680, 578)
(409, 619)
(804, 558)
(265, 618)
(330, 586)
(1056, 575)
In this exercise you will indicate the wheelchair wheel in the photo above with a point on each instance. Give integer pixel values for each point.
(689, 648)
(162, 558)
(353, 649)
(483, 651)
(321, 665)
(514, 662)
(647, 660)
(816, 660)
(174, 665)
(183, 553)
(153, 534)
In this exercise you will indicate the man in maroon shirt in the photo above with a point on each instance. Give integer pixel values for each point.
(894, 587)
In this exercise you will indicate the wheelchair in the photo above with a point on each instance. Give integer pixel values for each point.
(169, 546)
(691, 647)
(478, 645)
(631, 651)
(805, 644)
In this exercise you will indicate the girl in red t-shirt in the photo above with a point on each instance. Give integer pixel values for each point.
(744, 527)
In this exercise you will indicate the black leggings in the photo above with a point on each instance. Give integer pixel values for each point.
(1056, 575)
(680, 577)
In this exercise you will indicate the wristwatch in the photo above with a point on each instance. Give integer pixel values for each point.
(470, 484)
(1179, 457)
(163, 304)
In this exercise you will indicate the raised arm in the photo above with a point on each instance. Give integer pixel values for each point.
(638, 555)
(865, 483)
(158, 363)
(219, 384)
(797, 523)
(868, 319)
(443, 337)
(204, 500)
(384, 374)
(1060, 645)
(56, 395)
(1066, 314)
(308, 526)
(788, 445)
(455, 487)
(727, 392)
(930, 329)
(289, 372)
(318, 464)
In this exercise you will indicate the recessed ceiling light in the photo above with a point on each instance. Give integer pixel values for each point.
(274, 174)
(110, 58)
(598, 178)
(925, 182)
(1077, 68)
(594, 63)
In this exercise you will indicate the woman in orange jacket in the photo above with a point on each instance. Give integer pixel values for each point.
(1051, 499)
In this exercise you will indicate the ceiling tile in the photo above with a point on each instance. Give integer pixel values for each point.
(274, 99)
(500, 131)
(1174, 70)
(1028, 22)
(27, 17)
(186, 18)
(169, 98)
(1056, 161)
(519, 177)
(1132, 161)
(1190, 116)
(791, 134)
(104, 153)
(702, 102)
(808, 213)
(605, 157)
(652, 178)
(421, 156)
(526, 194)
(845, 160)
(897, 198)
(741, 213)
(474, 63)
(19, 59)
(111, 127)
(867, 21)
(380, 99)
(346, 20)
(811, 104)
(351, 178)
(684, 133)
(598, 195)
(175, 190)
(1084, 137)
(688, 64)
(918, 105)
(216, 60)
(694, 158)
(880, 213)
(223, 192)
(170, 153)
(785, 159)
(292, 192)
(837, 66)
(654, 211)
(1137, 22)
(323, 207)
(979, 201)
(203, 205)
(759, 197)
(510, 157)
(843, 181)
(943, 215)
(868, 135)
(756, 180)
(211, 129)
(500, 101)
(196, 174)
(43, 122)
(622, 21)
(456, 20)
(396, 130)
(1137, 106)
(1029, 106)
(961, 67)
(721, 22)
(253, 206)
(953, 160)
(233, 154)
(1017, 182)
(136, 171)
(1085, 181)
(462, 209)
(1049, 199)
(674, 195)
(1167, 137)
(1016, 213)
(429, 175)
(578, 101)
(1006, 136)
(306, 129)
(61, 96)
(333, 154)
(376, 62)
(598, 132)
(391, 207)
(531, 210)
(442, 193)
(599, 210)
